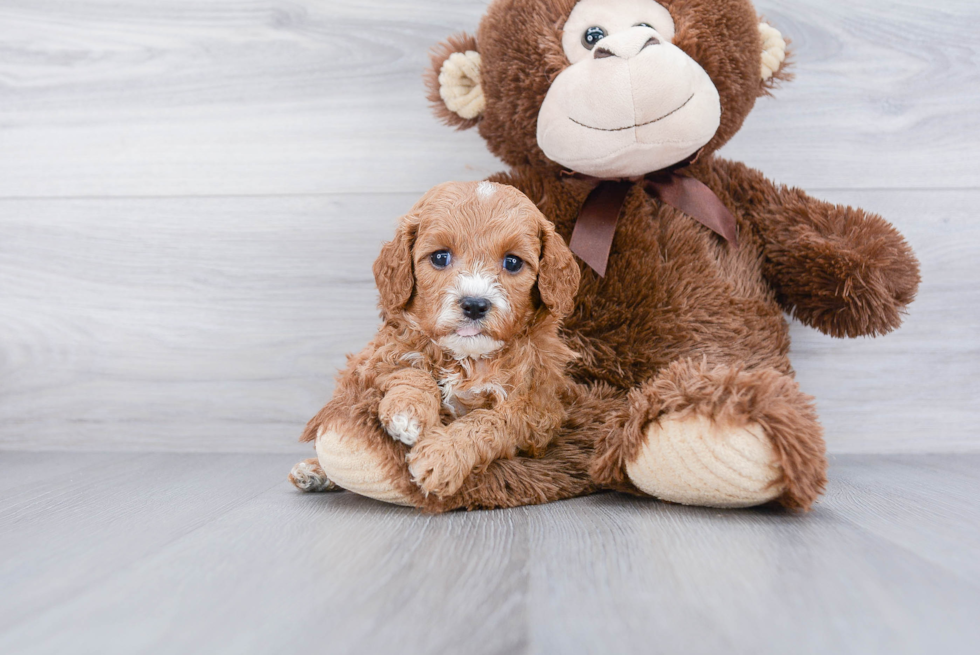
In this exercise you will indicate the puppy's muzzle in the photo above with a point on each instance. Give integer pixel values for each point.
(474, 308)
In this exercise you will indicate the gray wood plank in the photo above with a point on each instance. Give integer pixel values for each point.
(26, 470)
(290, 572)
(193, 323)
(61, 535)
(693, 580)
(868, 571)
(217, 324)
(306, 97)
(874, 79)
(924, 504)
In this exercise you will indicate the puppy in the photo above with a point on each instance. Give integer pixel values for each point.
(468, 366)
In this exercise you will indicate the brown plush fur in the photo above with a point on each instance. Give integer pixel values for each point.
(520, 44)
(472, 410)
(730, 396)
(682, 322)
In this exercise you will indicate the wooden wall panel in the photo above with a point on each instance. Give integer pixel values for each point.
(308, 97)
(191, 195)
(218, 323)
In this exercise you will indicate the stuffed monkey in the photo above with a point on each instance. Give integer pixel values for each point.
(609, 114)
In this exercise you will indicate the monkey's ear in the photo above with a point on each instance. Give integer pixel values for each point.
(393, 268)
(453, 82)
(774, 56)
(558, 274)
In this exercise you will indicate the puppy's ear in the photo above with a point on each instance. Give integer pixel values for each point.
(393, 268)
(453, 82)
(558, 274)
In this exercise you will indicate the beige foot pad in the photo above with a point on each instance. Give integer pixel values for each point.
(356, 469)
(694, 461)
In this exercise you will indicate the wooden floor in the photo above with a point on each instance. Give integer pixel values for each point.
(180, 553)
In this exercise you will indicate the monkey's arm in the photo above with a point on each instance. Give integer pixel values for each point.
(841, 270)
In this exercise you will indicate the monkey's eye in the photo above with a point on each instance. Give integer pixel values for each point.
(441, 258)
(513, 263)
(592, 36)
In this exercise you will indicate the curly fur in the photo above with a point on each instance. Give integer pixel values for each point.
(469, 411)
(729, 395)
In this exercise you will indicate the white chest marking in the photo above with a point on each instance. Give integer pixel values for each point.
(458, 401)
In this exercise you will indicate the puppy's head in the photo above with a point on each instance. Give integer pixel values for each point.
(474, 263)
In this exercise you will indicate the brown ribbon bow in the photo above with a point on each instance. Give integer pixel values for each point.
(595, 227)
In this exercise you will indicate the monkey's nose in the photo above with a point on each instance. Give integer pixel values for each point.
(626, 47)
(474, 308)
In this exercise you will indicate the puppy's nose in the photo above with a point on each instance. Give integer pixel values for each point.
(474, 308)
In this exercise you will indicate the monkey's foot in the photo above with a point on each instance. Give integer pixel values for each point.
(693, 460)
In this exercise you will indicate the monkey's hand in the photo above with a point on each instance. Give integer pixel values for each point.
(845, 272)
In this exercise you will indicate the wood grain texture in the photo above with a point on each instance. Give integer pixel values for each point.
(309, 97)
(217, 324)
(191, 323)
(107, 564)
(104, 512)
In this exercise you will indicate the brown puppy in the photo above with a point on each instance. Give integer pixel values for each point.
(469, 366)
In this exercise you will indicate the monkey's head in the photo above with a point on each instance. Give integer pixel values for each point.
(610, 88)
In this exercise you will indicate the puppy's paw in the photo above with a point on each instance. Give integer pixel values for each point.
(309, 477)
(439, 465)
(404, 427)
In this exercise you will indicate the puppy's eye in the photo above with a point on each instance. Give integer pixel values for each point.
(441, 258)
(592, 36)
(513, 263)
(645, 25)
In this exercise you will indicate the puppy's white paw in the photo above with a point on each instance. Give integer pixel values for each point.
(405, 428)
(310, 478)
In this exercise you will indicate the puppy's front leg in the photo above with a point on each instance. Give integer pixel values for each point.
(443, 458)
(410, 405)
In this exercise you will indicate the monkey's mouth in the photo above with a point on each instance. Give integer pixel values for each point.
(630, 127)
